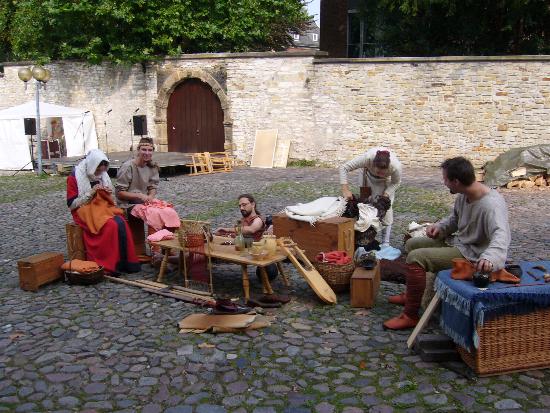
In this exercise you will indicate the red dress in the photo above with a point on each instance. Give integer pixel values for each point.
(112, 247)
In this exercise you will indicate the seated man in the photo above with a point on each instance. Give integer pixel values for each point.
(252, 226)
(476, 230)
(252, 223)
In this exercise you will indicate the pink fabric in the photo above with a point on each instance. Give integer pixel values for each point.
(160, 235)
(158, 214)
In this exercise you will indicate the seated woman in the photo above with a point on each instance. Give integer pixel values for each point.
(136, 189)
(106, 234)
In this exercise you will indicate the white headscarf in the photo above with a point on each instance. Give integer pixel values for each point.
(85, 172)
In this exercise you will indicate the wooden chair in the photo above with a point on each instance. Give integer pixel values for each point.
(199, 165)
(221, 162)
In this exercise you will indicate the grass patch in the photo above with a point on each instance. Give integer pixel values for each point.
(301, 163)
(425, 203)
(20, 187)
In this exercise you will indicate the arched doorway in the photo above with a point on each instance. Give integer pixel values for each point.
(194, 118)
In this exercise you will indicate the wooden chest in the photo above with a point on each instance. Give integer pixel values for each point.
(332, 234)
(39, 269)
(364, 286)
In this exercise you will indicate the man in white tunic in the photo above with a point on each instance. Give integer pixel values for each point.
(381, 174)
(476, 230)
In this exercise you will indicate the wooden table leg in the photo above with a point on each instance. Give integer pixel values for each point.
(163, 264)
(283, 273)
(265, 281)
(246, 282)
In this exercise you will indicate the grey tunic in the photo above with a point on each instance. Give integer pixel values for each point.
(378, 185)
(479, 229)
(132, 178)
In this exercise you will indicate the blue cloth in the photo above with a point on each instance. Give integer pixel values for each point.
(465, 307)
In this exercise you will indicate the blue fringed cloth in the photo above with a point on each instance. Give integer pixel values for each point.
(465, 307)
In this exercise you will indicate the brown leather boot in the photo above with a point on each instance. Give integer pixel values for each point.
(504, 277)
(416, 283)
(397, 299)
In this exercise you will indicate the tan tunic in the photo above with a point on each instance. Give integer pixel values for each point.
(132, 178)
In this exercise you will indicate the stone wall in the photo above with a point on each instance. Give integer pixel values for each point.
(425, 109)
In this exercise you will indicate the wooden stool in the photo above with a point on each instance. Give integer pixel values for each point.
(75, 242)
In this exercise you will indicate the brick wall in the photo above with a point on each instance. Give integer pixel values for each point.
(329, 109)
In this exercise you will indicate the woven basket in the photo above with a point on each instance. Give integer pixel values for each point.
(76, 278)
(193, 233)
(511, 343)
(336, 276)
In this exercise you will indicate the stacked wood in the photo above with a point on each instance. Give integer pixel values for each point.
(530, 182)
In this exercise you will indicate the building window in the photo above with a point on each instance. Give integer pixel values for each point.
(296, 36)
(314, 37)
(360, 42)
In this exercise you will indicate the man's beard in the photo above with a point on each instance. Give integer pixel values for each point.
(245, 213)
(452, 192)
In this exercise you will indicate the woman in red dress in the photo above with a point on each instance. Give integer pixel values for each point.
(112, 246)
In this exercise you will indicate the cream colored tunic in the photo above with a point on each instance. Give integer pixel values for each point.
(132, 178)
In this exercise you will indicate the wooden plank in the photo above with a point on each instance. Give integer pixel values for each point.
(424, 320)
(263, 153)
(281, 154)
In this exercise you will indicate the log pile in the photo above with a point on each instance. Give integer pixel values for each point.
(529, 182)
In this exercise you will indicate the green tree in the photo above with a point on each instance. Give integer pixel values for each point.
(140, 30)
(458, 27)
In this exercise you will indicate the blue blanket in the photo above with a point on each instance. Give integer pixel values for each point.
(465, 307)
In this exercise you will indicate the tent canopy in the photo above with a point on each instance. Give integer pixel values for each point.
(78, 124)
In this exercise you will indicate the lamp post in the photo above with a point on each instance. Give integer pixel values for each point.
(41, 77)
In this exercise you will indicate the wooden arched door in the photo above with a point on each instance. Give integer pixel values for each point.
(194, 119)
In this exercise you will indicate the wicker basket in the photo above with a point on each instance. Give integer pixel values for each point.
(193, 233)
(511, 343)
(77, 278)
(336, 276)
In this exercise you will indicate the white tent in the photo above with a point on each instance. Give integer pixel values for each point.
(78, 124)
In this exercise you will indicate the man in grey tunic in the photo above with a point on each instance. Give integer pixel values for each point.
(476, 230)
(381, 174)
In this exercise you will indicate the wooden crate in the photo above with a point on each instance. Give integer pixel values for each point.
(138, 234)
(364, 286)
(332, 234)
(75, 243)
(39, 269)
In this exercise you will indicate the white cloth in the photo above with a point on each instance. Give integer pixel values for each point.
(385, 252)
(84, 173)
(368, 216)
(321, 208)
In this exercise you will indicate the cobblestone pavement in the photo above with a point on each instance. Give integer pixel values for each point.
(111, 347)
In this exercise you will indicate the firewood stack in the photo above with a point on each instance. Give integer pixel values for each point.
(530, 182)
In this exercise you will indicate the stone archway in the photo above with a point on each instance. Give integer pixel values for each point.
(161, 105)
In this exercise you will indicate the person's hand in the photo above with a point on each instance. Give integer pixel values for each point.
(484, 265)
(433, 231)
(346, 193)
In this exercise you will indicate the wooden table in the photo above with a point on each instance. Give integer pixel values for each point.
(229, 254)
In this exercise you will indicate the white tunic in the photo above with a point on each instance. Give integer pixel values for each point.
(378, 186)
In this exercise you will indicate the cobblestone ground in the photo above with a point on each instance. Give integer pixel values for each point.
(111, 347)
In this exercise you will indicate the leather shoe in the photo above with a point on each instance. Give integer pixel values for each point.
(401, 322)
(397, 299)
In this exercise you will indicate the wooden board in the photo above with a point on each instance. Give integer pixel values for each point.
(364, 287)
(308, 271)
(264, 148)
(281, 154)
(332, 234)
(423, 320)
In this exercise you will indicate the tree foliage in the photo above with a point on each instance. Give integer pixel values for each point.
(139, 30)
(458, 27)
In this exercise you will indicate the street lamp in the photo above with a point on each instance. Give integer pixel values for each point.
(41, 77)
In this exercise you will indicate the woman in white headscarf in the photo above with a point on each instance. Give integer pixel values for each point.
(106, 234)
